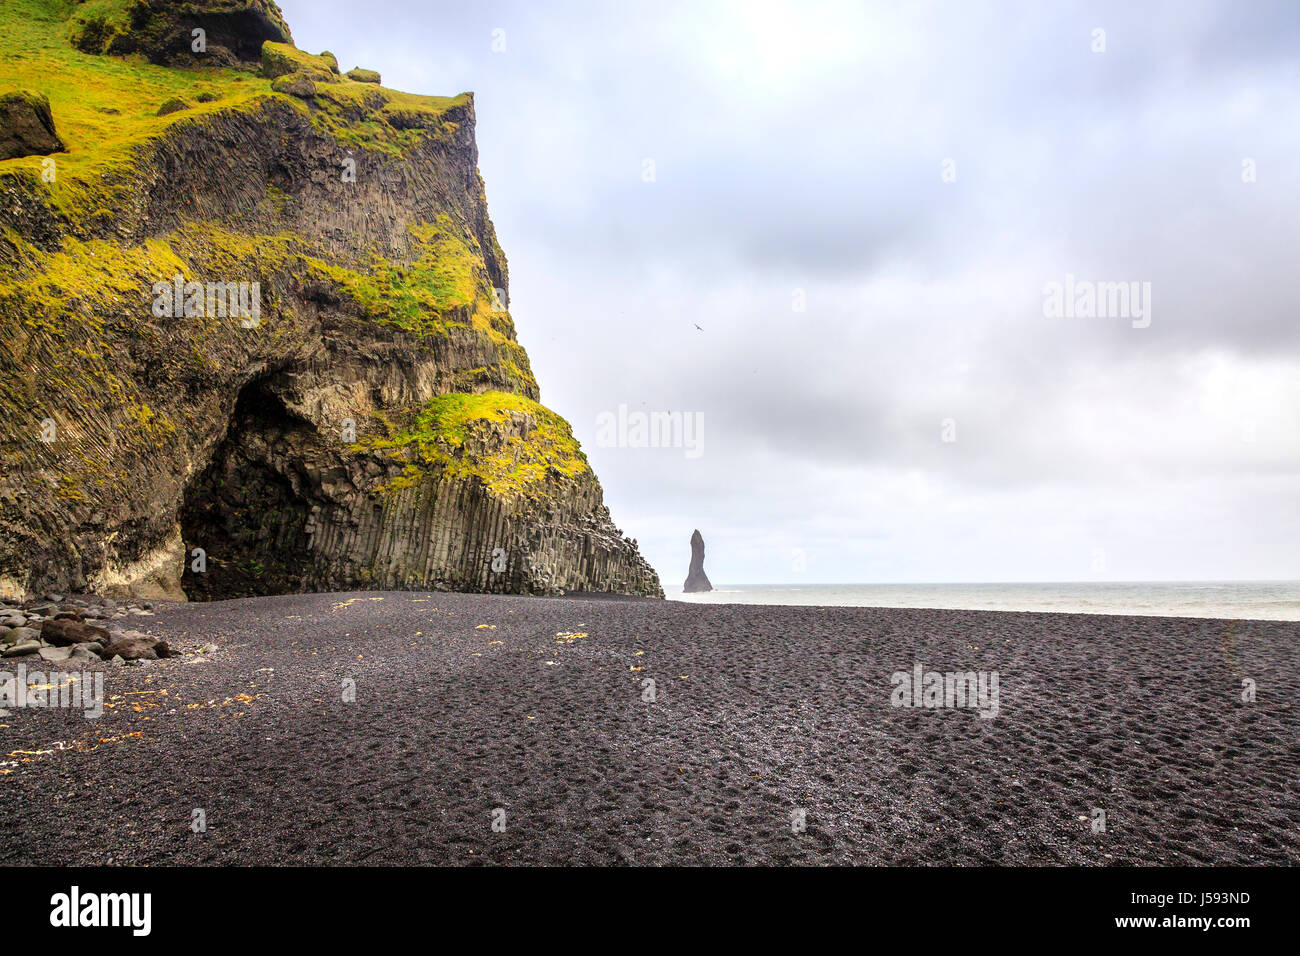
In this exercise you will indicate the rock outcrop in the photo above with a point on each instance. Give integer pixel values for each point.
(263, 344)
(696, 579)
(26, 126)
(231, 31)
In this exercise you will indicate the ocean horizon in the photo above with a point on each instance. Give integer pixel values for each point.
(1231, 600)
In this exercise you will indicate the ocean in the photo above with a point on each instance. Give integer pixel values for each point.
(1233, 600)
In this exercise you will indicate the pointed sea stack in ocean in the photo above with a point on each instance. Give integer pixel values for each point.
(696, 579)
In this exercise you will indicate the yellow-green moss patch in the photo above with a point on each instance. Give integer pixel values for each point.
(528, 444)
(281, 59)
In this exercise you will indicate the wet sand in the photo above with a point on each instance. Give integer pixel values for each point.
(760, 714)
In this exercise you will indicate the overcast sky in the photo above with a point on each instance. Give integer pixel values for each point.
(913, 174)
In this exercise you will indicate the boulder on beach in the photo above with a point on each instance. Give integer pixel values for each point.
(138, 648)
(61, 632)
(696, 579)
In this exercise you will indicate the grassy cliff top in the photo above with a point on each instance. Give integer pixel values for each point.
(104, 107)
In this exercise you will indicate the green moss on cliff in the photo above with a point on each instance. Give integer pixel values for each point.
(520, 445)
(443, 288)
(85, 284)
(75, 293)
(423, 296)
(364, 116)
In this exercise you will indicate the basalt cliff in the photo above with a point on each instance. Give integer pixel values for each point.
(254, 327)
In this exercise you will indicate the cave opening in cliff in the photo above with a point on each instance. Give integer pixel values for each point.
(244, 510)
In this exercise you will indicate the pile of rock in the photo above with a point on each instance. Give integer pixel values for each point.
(77, 630)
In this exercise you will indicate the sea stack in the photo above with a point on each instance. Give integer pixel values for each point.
(696, 579)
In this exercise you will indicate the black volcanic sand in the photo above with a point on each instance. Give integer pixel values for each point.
(760, 711)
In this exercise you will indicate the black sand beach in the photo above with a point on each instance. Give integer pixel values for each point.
(759, 713)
